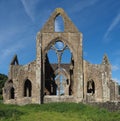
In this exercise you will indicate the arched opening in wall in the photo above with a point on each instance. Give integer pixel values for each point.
(66, 56)
(91, 87)
(59, 24)
(10, 81)
(52, 56)
(119, 89)
(62, 85)
(12, 93)
(27, 88)
(58, 57)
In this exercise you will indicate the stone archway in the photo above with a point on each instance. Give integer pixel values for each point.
(91, 87)
(12, 93)
(27, 88)
(59, 69)
(62, 80)
(47, 39)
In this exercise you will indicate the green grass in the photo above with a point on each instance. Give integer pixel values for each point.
(56, 112)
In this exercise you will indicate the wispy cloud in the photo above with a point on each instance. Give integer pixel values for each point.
(9, 51)
(115, 67)
(83, 5)
(114, 23)
(7, 34)
(85, 54)
(116, 80)
(59, 25)
(29, 6)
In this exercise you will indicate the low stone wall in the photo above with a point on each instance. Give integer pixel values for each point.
(111, 106)
(22, 101)
(49, 99)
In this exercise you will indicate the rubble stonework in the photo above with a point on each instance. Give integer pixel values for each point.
(36, 82)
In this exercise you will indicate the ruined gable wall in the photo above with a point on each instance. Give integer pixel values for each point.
(72, 38)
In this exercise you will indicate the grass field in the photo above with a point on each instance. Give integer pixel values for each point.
(56, 112)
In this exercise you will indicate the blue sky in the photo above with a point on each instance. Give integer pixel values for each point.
(98, 20)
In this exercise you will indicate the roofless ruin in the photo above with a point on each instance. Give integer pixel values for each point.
(45, 80)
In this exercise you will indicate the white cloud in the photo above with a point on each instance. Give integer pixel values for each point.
(116, 80)
(57, 26)
(114, 23)
(83, 5)
(29, 6)
(59, 45)
(115, 67)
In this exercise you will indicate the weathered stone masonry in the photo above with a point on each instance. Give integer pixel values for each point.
(39, 81)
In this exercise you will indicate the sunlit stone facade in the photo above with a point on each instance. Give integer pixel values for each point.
(42, 81)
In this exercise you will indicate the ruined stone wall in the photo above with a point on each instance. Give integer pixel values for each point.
(18, 75)
(110, 106)
(49, 99)
(105, 88)
(90, 82)
(93, 72)
(70, 37)
(112, 90)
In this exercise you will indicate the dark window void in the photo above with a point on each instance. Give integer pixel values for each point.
(12, 93)
(119, 89)
(59, 24)
(91, 87)
(10, 81)
(27, 88)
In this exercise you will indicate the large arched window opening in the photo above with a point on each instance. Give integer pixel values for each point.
(51, 55)
(91, 87)
(58, 57)
(59, 24)
(27, 88)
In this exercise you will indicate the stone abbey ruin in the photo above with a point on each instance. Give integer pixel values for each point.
(43, 81)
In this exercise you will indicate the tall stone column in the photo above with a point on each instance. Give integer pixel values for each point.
(38, 68)
(106, 90)
(79, 71)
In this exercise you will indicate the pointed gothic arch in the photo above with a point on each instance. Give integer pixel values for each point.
(62, 39)
(60, 48)
(59, 23)
(91, 87)
(27, 88)
(12, 93)
(62, 80)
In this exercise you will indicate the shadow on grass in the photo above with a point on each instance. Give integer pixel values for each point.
(9, 112)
